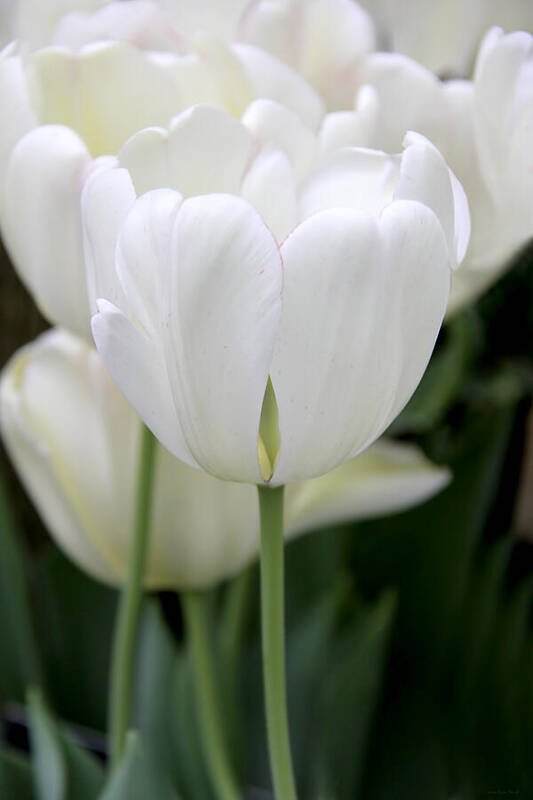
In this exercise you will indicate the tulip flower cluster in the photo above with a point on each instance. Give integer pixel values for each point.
(247, 226)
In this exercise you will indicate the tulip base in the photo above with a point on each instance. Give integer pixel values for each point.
(273, 633)
(130, 603)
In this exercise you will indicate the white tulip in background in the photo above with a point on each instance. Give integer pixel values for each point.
(483, 128)
(74, 441)
(34, 21)
(324, 40)
(123, 89)
(63, 110)
(206, 304)
(445, 34)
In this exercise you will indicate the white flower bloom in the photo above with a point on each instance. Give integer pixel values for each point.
(74, 441)
(324, 40)
(445, 34)
(35, 20)
(202, 310)
(483, 128)
(142, 23)
(61, 111)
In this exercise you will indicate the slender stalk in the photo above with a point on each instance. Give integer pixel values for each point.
(235, 617)
(273, 632)
(197, 628)
(130, 603)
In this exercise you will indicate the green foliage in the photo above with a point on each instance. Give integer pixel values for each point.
(165, 712)
(15, 776)
(75, 624)
(61, 769)
(19, 655)
(410, 650)
(137, 776)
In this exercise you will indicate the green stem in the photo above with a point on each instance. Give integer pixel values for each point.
(197, 628)
(130, 603)
(273, 632)
(235, 617)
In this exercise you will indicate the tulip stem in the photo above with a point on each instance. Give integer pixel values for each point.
(194, 605)
(235, 618)
(127, 621)
(273, 633)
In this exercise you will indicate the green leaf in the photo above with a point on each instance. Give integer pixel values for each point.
(15, 776)
(349, 694)
(76, 629)
(137, 777)
(48, 757)
(19, 656)
(164, 707)
(152, 709)
(194, 782)
(481, 608)
(62, 770)
(309, 645)
(427, 552)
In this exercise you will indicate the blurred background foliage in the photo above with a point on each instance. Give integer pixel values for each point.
(410, 646)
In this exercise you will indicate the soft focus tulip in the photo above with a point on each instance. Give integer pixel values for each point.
(445, 34)
(203, 304)
(142, 23)
(483, 128)
(35, 20)
(324, 40)
(74, 441)
(63, 110)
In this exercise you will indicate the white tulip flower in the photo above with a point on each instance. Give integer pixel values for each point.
(324, 40)
(482, 127)
(203, 303)
(62, 111)
(35, 20)
(74, 442)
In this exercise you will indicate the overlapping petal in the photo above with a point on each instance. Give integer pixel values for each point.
(212, 275)
(347, 359)
(44, 237)
(323, 39)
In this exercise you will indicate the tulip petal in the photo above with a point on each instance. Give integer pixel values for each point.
(363, 180)
(426, 177)
(322, 39)
(387, 478)
(269, 187)
(16, 113)
(107, 91)
(42, 223)
(224, 306)
(274, 80)
(274, 124)
(204, 151)
(106, 199)
(64, 465)
(135, 363)
(143, 255)
(204, 529)
(140, 22)
(409, 98)
(355, 128)
(362, 306)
